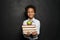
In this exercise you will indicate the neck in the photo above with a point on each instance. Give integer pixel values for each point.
(30, 18)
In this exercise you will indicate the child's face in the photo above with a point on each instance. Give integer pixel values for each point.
(31, 13)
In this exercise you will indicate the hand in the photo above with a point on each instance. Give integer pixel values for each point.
(34, 33)
(28, 34)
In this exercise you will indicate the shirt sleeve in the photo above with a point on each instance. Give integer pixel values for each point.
(24, 23)
(38, 27)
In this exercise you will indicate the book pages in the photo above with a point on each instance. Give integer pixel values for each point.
(28, 28)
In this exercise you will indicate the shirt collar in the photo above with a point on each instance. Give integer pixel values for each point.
(32, 19)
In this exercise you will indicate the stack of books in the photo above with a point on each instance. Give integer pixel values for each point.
(28, 28)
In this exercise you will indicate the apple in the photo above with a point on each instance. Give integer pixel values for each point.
(29, 23)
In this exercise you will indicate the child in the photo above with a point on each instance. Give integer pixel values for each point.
(30, 10)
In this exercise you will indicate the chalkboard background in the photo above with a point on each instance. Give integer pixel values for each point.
(13, 17)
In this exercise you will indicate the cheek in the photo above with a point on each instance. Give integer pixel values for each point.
(28, 14)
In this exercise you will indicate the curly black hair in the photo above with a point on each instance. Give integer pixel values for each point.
(30, 6)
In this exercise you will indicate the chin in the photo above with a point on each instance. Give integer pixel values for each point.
(30, 17)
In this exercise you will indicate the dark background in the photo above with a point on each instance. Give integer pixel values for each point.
(12, 15)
